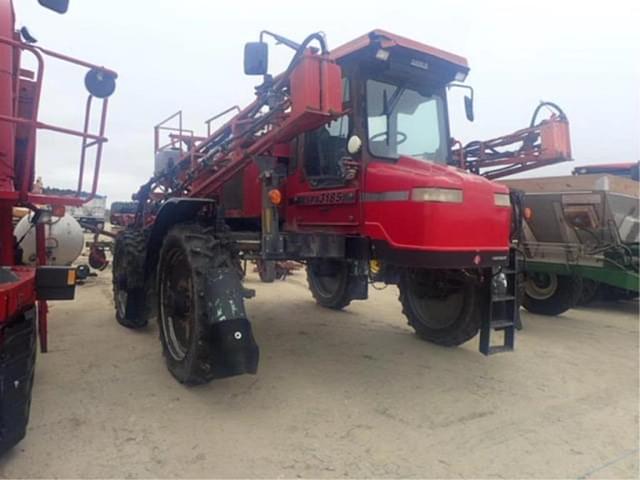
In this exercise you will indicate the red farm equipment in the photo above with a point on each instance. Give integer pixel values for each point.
(343, 162)
(25, 288)
(123, 213)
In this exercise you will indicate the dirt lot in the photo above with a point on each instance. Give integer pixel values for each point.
(338, 394)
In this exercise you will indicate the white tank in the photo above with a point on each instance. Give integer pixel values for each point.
(64, 240)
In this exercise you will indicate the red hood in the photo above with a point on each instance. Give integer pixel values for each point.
(409, 172)
(475, 224)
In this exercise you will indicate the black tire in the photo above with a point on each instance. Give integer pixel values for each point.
(266, 270)
(17, 362)
(551, 294)
(281, 271)
(329, 283)
(590, 290)
(442, 307)
(192, 342)
(128, 279)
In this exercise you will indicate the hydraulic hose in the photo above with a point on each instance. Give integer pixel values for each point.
(551, 105)
(303, 46)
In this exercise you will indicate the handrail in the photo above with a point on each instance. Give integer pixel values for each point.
(215, 117)
(89, 140)
(161, 126)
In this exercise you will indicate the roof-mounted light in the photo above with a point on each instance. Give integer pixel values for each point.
(382, 54)
(460, 76)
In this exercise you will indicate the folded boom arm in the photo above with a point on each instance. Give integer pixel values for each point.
(542, 144)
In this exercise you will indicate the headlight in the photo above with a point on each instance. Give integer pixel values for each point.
(502, 199)
(449, 195)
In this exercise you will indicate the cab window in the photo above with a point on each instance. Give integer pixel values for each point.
(403, 121)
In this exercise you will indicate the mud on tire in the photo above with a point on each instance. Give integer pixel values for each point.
(190, 253)
(129, 295)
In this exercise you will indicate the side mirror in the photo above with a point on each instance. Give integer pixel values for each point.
(468, 108)
(256, 58)
(354, 144)
(59, 6)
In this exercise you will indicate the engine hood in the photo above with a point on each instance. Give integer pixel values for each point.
(408, 172)
(393, 215)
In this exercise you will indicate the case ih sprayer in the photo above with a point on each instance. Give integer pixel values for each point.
(345, 162)
(25, 285)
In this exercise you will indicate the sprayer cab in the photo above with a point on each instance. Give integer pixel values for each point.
(382, 170)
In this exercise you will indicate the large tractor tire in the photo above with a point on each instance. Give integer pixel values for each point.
(551, 294)
(442, 307)
(329, 283)
(203, 326)
(17, 362)
(129, 294)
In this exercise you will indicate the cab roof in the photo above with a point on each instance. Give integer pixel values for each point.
(388, 40)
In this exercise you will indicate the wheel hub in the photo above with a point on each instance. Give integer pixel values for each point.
(541, 286)
(438, 302)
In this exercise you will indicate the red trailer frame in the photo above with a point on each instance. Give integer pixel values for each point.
(29, 84)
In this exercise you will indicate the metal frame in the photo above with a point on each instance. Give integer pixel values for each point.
(609, 273)
(541, 145)
(88, 139)
(209, 162)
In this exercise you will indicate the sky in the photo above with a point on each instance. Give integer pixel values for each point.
(187, 55)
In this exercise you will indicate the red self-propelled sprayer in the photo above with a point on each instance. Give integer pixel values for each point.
(344, 162)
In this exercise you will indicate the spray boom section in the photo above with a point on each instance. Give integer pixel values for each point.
(543, 143)
(305, 96)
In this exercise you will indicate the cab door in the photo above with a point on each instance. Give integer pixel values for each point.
(323, 186)
(323, 183)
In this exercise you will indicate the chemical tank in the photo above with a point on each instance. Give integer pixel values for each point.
(64, 240)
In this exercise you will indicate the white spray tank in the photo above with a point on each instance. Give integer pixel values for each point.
(64, 239)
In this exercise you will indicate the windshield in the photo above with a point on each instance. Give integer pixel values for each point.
(402, 121)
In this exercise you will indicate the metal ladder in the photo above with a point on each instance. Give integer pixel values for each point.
(503, 312)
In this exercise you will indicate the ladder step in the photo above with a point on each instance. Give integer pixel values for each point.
(501, 314)
(500, 324)
(502, 298)
(498, 349)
